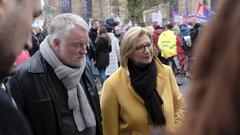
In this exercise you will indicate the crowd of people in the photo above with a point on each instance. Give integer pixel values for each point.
(53, 91)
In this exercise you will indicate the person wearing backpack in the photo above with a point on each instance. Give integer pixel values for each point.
(186, 39)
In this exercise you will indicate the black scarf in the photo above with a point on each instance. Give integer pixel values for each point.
(143, 80)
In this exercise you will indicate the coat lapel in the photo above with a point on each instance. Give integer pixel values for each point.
(162, 77)
(134, 93)
(125, 75)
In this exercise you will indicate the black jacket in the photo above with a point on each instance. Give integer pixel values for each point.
(12, 122)
(102, 52)
(35, 45)
(43, 98)
(93, 35)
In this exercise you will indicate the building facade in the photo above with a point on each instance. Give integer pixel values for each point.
(96, 9)
(101, 9)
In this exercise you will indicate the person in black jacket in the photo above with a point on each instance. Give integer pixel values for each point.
(15, 32)
(103, 48)
(35, 43)
(93, 31)
(55, 88)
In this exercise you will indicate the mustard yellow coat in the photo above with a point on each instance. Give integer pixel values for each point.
(123, 111)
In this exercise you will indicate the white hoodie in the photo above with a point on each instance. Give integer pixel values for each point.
(114, 56)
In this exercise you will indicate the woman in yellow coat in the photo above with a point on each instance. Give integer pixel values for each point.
(142, 93)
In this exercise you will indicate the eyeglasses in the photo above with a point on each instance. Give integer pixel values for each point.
(142, 48)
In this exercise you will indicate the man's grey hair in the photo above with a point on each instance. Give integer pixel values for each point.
(62, 24)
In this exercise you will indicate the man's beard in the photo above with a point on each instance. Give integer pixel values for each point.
(8, 72)
(13, 70)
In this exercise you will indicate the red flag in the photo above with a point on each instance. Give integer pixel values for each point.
(199, 6)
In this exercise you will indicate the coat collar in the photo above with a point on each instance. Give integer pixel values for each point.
(37, 64)
(162, 78)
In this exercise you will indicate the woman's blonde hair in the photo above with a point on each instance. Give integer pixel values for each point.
(128, 43)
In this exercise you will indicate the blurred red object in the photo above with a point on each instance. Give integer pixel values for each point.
(154, 24)
(22, 57)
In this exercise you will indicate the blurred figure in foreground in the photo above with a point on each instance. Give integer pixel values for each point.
(142, 94)
(214, 100)
(16, 17)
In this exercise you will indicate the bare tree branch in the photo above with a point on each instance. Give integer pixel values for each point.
(136, 8)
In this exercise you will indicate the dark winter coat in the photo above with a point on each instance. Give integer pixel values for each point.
(12, 122)
(103, 48)
(44, 99)
(93, 35)
(35, 45)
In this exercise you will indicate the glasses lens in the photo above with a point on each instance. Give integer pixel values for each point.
(142, 48)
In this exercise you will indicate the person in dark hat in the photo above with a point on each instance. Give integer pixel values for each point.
(110, 23)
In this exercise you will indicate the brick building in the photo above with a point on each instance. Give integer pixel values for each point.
(101, 9)
(96, 9)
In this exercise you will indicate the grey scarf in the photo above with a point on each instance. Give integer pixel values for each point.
(70, 77)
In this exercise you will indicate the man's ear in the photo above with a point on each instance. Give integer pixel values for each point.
(56, 44)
